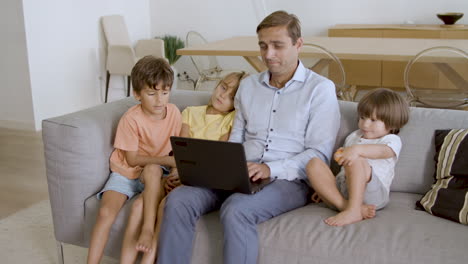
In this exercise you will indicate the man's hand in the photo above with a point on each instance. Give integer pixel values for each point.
(258, 171)
(172, 181)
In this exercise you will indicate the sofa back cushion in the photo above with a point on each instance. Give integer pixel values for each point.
(184, 98)
(415, 167)
(448, 197)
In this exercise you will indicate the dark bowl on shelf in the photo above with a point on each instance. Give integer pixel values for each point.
(450, 18)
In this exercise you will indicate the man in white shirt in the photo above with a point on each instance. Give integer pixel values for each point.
(285, 116)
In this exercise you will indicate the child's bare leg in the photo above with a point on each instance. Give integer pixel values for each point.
(357, 176)
(150, 257)
(151, 176)
(132, 231)
(367, 210)
(324, 183)
(111, 203)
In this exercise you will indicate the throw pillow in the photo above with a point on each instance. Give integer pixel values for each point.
(448, 197)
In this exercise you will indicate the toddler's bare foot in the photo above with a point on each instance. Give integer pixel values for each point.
(367, 211)
(345, 217)
(144, 242)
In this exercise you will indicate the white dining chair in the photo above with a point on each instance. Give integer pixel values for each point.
(325, 63)
(207, 67)
(121, 55)
(438, 77)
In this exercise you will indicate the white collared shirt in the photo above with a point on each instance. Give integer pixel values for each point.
(284, 128)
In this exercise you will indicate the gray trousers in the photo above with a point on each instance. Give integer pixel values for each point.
(240, 214)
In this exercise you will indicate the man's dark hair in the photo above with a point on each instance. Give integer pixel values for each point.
(282, 18)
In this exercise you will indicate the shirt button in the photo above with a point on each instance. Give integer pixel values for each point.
(274, 111)
(269, 140)
(271, 129)
(278, 92)
(266, 149)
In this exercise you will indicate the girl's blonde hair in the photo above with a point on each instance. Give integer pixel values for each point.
(388, 106)
(239, 75)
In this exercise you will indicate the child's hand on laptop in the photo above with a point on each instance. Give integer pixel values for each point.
(258, 171)
(172, 180)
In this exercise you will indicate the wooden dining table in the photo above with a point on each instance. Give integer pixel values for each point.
(383, 49)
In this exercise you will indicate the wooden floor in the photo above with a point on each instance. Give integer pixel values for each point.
(22, 170)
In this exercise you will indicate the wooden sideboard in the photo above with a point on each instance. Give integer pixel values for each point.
(390, 73)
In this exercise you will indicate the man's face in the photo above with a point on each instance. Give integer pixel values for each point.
(277, 50)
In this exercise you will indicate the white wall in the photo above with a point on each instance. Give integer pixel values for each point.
(317, 16)
(214, 19)
(218, 19)
(53, 51)
(66, 50)
(16, 109)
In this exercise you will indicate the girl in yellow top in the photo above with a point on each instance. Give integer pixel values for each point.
(213, 122)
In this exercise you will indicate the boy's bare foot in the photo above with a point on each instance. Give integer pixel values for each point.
(345, 217)
(144, 242)
(367, 211)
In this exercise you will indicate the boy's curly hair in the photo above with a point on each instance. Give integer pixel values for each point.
(151, 71)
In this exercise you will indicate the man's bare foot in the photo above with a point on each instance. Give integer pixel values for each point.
(144, 242)
(345, 217)
(367, 211)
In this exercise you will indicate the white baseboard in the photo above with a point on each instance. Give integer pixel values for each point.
(20, 125)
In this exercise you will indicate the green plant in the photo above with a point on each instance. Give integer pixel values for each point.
(171, 45)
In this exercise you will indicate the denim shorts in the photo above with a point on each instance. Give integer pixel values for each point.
(124, 185)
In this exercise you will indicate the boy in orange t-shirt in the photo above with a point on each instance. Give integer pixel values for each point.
(141, 154)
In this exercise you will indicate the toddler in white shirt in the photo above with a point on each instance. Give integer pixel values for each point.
(368, 160)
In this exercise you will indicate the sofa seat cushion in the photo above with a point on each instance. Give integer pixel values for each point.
(398, 234)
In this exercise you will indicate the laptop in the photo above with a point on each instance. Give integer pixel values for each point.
(214, 164)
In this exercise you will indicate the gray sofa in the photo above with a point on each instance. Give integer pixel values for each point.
(77, 148)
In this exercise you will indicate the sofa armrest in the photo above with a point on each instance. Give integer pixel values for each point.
(77, 148)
